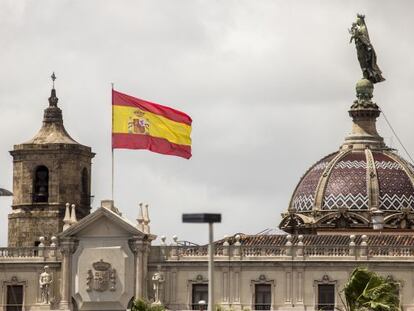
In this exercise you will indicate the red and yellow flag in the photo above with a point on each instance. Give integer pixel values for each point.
(139, 124)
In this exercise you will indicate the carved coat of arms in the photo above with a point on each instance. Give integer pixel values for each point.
(138, 124)
(102, 278)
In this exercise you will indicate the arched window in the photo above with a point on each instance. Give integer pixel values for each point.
(41, 184)
(85, 187)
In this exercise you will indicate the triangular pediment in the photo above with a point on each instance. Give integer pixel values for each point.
(103, 223)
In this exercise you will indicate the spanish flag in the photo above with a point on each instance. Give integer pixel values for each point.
(139, 124)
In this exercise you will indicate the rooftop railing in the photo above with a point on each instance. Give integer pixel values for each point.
(289, 251)
(29, 253)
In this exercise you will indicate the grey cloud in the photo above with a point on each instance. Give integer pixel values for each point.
(268, 84)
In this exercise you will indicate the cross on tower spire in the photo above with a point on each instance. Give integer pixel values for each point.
(53, 100)
(53, 76)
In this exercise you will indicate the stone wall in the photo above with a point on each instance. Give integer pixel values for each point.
(65, 163)
(27, 275)
(294, 280)
(25, 228)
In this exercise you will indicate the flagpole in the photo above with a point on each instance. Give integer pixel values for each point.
(112, 149)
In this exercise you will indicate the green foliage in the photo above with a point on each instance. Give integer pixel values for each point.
(142, 305)
(157, 308)
(367, 291)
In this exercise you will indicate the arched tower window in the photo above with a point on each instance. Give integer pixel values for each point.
(41, 184)
(85, 187)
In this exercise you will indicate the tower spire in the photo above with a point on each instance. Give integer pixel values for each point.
(52, 130)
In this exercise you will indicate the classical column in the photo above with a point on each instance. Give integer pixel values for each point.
(66, 248)
(145, 256)
(141, 252)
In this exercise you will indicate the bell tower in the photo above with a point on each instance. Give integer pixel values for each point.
(48, 171)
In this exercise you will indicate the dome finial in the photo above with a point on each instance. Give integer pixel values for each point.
(53, 100)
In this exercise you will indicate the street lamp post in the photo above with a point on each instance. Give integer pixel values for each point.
(210, 219)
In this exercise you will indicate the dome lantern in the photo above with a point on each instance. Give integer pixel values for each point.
(364, 113)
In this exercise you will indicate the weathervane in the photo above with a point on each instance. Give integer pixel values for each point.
(53, 79)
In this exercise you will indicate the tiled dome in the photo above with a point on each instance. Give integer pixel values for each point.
(364, 185)
(356, 180)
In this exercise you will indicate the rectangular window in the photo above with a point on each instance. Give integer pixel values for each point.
(200, 292)
(263, 296)
(326, 297)
(14, 298)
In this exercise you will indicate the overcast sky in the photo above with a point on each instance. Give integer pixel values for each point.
(267, 83)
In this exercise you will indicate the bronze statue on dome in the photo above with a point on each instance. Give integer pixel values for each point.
(366, 54)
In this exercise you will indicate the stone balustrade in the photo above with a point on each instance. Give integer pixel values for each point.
(288, 251)
(39, 253)
(29, 254)
(24, 252)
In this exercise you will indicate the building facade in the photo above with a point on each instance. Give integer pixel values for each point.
(48, 171)
(354, 207)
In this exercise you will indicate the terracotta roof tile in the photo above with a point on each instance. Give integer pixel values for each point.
(321, 240)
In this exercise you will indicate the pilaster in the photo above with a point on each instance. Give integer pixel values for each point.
(67, 248)
(141, 251)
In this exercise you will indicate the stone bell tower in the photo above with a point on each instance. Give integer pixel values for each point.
(48, 171)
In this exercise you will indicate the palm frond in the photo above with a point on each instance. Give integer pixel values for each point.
(365, 290)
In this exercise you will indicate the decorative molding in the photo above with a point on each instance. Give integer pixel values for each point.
(342, 218)
(299, 287)
(262, 279)
(199, 279)
(292, 221)
(14, 281)
(372, 180)
(173, 293)
(288, 287)
(102, 279)
(352, 164)
(236, 283)
(403, 220)
(140, 245)
(325, 280)
(67, 247)
(115, 218)
(225, 287)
